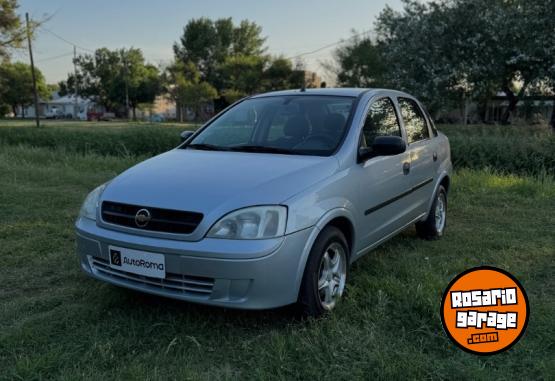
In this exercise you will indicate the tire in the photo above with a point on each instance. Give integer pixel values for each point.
(434, 225)
(324, 279)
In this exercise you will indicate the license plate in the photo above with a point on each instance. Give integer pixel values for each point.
(137, 262)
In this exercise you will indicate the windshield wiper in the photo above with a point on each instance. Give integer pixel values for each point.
(207, 147)
(261, 149)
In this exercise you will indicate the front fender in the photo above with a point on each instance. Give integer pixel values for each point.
(316, 206)
(317, 228)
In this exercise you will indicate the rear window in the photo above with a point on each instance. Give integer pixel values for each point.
(415, 122)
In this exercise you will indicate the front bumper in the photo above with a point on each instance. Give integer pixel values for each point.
(253, 274)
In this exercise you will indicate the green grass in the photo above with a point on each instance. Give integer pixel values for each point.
(56, 323)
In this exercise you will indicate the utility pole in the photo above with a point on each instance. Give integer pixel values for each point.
(126, 78)
(37, 120)
(76, 85)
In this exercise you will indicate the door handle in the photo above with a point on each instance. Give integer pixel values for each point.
(406, 168)
(434, 156)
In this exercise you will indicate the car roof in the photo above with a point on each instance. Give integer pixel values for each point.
(330, 91)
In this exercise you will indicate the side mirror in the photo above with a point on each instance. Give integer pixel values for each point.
(382, 146)
(388, 145)
(185, 135)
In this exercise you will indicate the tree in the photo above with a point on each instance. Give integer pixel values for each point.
(186, 88)
(229, 59)
(247, 39)
(512, 50)
(140, 80)
(205, 44)
(246, 75)
(13, 30)
(218, 47)
(4, 109)
(148, 87)
(12, 33)
(16, 85)
(360, 63)
(113, 77)
(280, 75)
(242, 75)
(414, 46)
(456, 50)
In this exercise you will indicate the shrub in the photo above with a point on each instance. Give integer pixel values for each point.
(512, 149)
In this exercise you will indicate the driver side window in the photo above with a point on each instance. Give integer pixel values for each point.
(381, 120)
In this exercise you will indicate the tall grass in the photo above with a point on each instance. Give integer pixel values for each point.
(520, 150)
(116, 141)
(511, 149)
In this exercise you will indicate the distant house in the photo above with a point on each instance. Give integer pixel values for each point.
(60, 107)
(312, 79)
(532, 108)
(163, 108)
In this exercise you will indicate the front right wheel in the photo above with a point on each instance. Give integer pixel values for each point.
(325, 273)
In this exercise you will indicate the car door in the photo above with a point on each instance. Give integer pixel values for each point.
(422, 155)
(383, 179)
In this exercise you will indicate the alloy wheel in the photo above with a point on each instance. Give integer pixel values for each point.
(332, 275)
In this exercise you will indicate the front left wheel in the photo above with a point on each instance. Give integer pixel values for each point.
(325, 273)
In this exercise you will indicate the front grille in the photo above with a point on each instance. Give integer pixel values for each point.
(175, 283)
(162, 220)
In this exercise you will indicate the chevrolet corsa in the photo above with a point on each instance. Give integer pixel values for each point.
(270, 202)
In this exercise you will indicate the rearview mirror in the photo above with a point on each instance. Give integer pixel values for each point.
(186, 135)
(382, 146)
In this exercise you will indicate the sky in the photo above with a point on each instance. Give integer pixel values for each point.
(291, 27)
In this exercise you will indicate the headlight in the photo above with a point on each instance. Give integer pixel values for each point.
(88, 209)
(257, 222)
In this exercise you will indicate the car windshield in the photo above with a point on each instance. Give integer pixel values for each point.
(294, 124)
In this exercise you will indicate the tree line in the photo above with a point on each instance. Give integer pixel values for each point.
(215, 62)
(446, 52)
(450, 52)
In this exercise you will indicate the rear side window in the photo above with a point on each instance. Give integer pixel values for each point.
(381, 120)
(415, 122)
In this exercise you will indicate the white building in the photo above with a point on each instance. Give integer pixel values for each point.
(60, 107)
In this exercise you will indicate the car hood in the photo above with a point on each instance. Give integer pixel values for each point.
(217, 182)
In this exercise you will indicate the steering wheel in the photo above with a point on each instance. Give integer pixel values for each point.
(328, 142)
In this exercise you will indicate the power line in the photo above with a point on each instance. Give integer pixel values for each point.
(55, 57)
(66, 40)
(329, 45)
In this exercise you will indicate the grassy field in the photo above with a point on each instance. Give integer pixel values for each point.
(56, 323)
